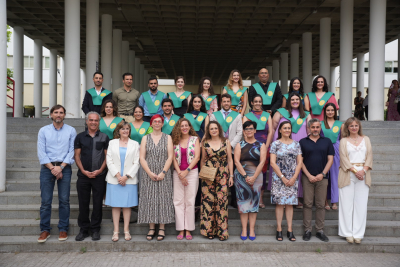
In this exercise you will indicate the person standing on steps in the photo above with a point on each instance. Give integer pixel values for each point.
(318, 153)
(96, 96)
(109, 118)
(55, 148)
(169, 119)
(180, 97)
(151, 100)
(237, 92)
(270, 92)
(232, 127)
(206, 90)
(90, 157)
(126, 98)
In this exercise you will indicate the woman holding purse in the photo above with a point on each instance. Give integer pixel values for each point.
(216, 153)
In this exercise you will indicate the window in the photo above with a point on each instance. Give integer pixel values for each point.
(28, 62)
(46, 62)
(395, 66)
(354, 66)
(388, 66)
(10, 62)
(366, 66)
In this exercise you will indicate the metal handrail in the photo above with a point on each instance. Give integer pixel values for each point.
(13, 98)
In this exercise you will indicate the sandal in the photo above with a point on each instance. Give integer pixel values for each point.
(179, 237)
(211, 237)
(262, 205)
(189, 237)
(279, 235)
(334, 206)
(115, 237)
(150, 237)
(327, 207)
(291, 236)
(160, 237)
(128, 236)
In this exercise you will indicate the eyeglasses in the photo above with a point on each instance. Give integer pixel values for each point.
(157, 122)
(263, 73)
(249, 129)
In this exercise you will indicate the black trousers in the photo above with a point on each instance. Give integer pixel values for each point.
(85, 186)
(366, 111)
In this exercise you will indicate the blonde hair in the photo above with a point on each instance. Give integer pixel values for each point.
(345, 129)
(230, 80)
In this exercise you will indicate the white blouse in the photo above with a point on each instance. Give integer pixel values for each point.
(357, 153)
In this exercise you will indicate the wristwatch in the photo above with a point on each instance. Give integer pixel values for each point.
(128, 176)
(245, 176)
(188, 169)
(324, 175)
(164, 172)
(62, 167)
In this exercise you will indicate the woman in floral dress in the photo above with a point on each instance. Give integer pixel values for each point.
(216, 153)
(286, 161)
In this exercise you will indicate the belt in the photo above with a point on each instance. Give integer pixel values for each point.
(56, 163)
(358, 164)
(126, 114)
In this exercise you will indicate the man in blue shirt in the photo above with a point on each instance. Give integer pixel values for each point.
(151, 100)
(55, 150)
(318, 153)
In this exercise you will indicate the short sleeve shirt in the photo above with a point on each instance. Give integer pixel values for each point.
(92, 151)
(315, 154)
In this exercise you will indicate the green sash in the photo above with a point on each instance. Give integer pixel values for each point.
(225, 123)
(110, 129)
(138, 135)
(153, 107)
(178, 101)
(196, 122)
(317, 106)
(260, 122)
(167, 127)
(267, 97)
(209, 100)
(332, 133)
(296, 123)
(235, 97)
(98, 99)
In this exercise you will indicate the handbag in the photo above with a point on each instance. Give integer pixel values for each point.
(208, 173)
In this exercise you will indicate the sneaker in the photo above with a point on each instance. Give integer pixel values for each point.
(63, 236)
(96, 236)
(81, 236)
(43, 237)
(307, 236)
(322, 236)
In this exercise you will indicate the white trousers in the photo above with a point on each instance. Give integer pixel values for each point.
(184, 199)
(353, 201)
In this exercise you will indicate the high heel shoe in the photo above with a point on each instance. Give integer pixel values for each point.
(291, 236)
(252, 238)
(243, 237)
(279, 235)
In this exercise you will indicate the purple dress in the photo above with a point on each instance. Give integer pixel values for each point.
(333, 186)
(302, 133)
(261, 136)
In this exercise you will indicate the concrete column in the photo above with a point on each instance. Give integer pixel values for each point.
(106, 50)
(333, 80)
(346, 58)
(325, 49)
(62, 72)
(116, 59)
(72, 58)
(284, 72)
(37, 76)
(136, 79)
(125, 57)
(83, 88)
(53, 78)
(398, 57)
(275, 70)
(269, 68)
(294, 60)
(145, 81)
(377, 30)
(132, 63)
(3, 97)
(92, 40)
(18, 56)
(141, 77)
(307, 61)
(360, 73)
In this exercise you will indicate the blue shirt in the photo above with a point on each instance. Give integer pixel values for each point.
(56, 145)
(142, 103)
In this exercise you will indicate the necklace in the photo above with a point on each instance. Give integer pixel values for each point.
(124, 141)
(354, 140)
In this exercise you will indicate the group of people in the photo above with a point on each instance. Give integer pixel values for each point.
(152, 155)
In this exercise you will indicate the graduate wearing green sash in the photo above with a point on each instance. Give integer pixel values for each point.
(181, 102)
(238, 93)
(151, 100)
(169, 123)
(96, 96)
(206, 90)
(109, 130)
(138, 133)
(198, 120)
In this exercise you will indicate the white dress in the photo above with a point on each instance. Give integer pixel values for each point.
(353, 198)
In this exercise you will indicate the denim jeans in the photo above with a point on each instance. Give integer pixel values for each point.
(47, 182)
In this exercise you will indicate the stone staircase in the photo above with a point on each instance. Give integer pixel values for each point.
(19, 207)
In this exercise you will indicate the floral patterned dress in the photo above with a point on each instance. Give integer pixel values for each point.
(286, 159)
(214, 195)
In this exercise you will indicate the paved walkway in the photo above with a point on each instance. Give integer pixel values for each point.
(194, 259)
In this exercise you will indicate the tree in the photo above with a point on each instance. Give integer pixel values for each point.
(9, 71)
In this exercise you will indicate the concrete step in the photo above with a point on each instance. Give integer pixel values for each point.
(32, 212)
(42, 121)
(263, 243)
(26, 163)
(385, 148)
(384, 139)
(385, 187)
(263, 227)
(380, 124)
(380, 131)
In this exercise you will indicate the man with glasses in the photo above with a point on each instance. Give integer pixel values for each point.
(270, 92)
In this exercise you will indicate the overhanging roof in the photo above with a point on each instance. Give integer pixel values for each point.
(198, 38)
